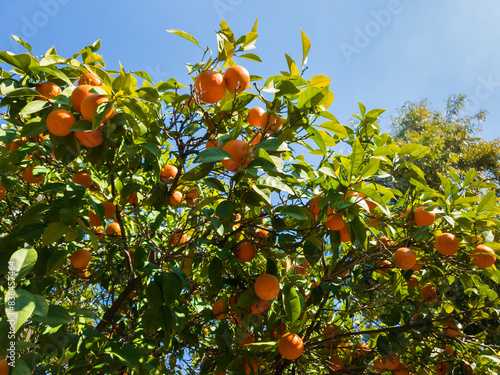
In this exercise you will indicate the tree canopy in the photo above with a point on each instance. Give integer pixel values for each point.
(180, 227)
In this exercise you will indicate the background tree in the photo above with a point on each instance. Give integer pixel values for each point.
(176, 228)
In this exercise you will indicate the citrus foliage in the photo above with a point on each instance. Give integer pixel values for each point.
(212, 256)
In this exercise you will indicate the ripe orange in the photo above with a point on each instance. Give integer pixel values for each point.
(379, 365)
(413, 282)
(423, 218)
(392, 361)
(291, 346)
(278, 330)
(218, 310)
(244, 251)
(441, 368)
(94, 219)
(270, 123)
(237, 78)
(404, 258)
(336, 363)
(253, 370)
(109, 209)
(30, 178)
(78, 94)
(4, 367)
(133, 199)
(314, 208)
(417, 266)
(448, 349)
(302, 268)
(59, 122)
(248, 339)
(402, 370)
(179, 238)
(481, 258)
(254, 115)
(168, 174)
(2, 192)
(446, 244)
(384, 265)
(14, 145)
(261, 234)
(335, 222)
(47, 90)
(259, 307)
(240, 153)
(362, 349)
(82, 178)
(330, 331)
(429, 293)
(385, 241)
(175, 199)
(212, 143)
(210, 86)
(450, 328)
(192, 197)
(113, 228)
(344, 235)
(267, 287)
(89, 105)
(90, 138)
(89, 79)
(80, 258)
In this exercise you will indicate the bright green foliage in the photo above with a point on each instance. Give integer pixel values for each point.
(452, 138)
(145, 304)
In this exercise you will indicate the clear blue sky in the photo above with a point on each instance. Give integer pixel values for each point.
(379, 52)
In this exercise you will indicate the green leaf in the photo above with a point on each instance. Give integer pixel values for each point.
(171, 287)
(81, 126)
(275, 183)
(154, 294)
(100, 113)
(19, 306)
(56, 315)
(226, 209)
(215, 272)
(371, 168)
(41, 306)
(251, 56)
(311, 97)
(291, 302)
(198, 172)
(34, 106)
(299, 213)
(218, 226)
(471, 175)
(334, 127)
(21, 42)
(488, 202)
(416, 151)
(357, 157)
(22, 261)
(306, 46)
(53, 72)
(21, 61)
(212, 155)
(54, 232)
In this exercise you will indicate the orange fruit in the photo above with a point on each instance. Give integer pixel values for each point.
(259, 307)
(448, 349)
(278, 330)
(379, 364)
(168, 174)
(82, 178)
(384, 266)
(89, 79)
(423, 218)
(2, 192)
(4, 367)
(90, 138)
(244, 251)
(237, 78)
(212, 143)
(267, 287)
(362, 349)
(192, 197)
(429, 293)
(446, 244)
(361, 196)
(218, 310)
(392, 361)
(47, 90)
(291, 346)
(314, 208)
(481, 257)
(210, 86)
(417, 267)
(175, 199)
(441, 368)
(113, 228)
(94, 219)
(270, 123)
(402, 370)
(344, 235)
(335, 222)
(254, 115)
(336, 363)
(247, 340)
(302, 268)
(413, 282)
(385, 241)
(253, 370)
(133, 199)
(30, 178)
(78, 94)
(109, 209)
(450, 328)
(80, 258)
(404, 258)
(59, 122)
(179, 238)
(240, 153)
(14, 145)
(330, 331)
(89, 105)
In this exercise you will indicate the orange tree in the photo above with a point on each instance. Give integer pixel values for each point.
(168, 228)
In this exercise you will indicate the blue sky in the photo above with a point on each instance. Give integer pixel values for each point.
(379, 52)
